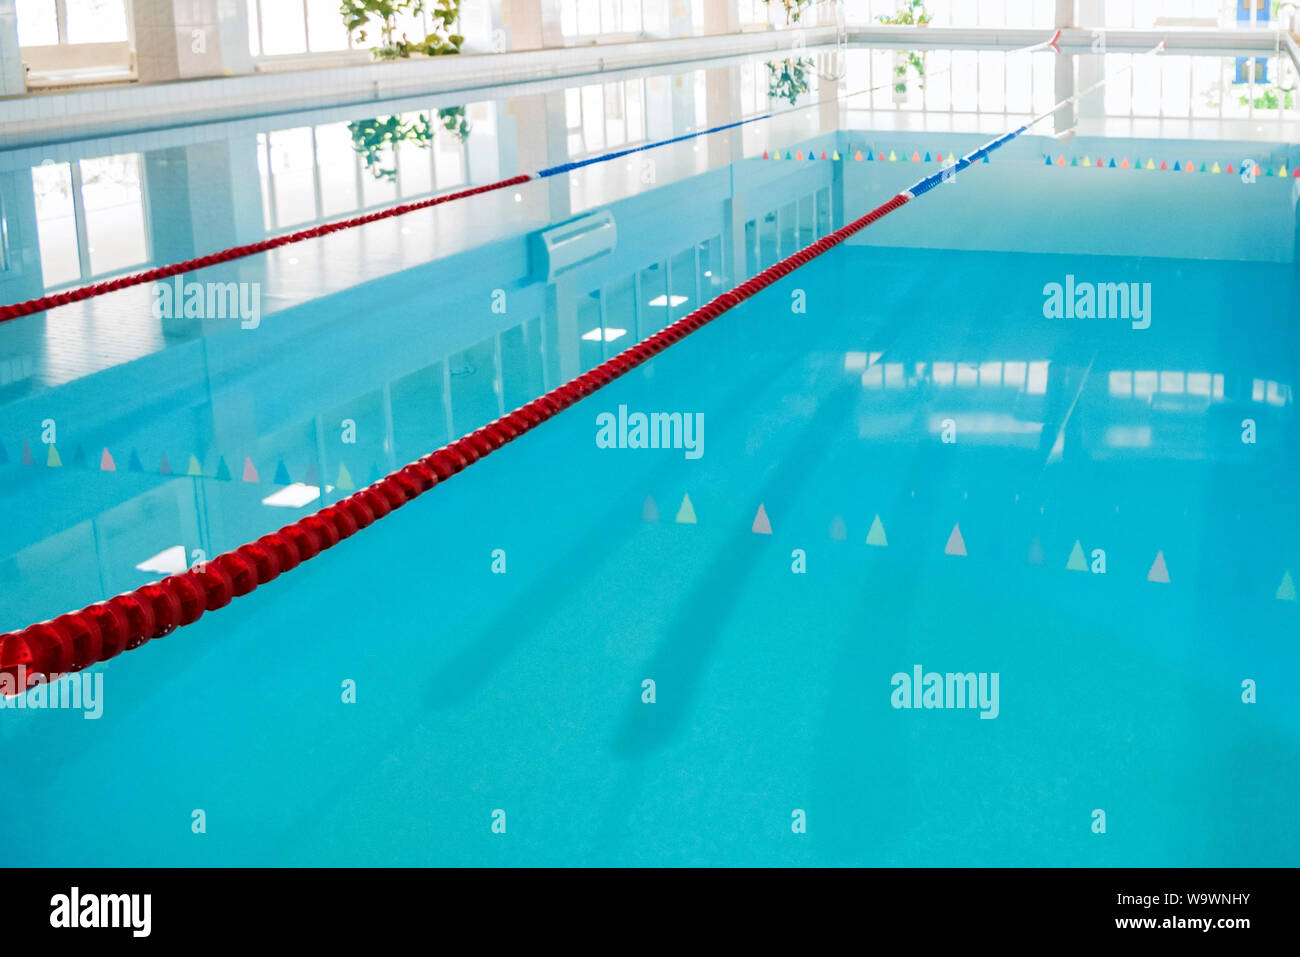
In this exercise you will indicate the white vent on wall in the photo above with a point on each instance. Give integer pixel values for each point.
(574, 244)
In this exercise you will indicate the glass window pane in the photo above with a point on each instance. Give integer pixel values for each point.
(56, 229)
(115, 228)
(254, 32)
(283, 29)
(96, 21)
(325, 29)
(38, 23)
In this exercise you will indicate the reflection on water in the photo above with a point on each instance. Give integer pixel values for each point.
(378, 140)
(788, 79)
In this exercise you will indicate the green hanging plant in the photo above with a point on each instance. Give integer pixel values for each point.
(377, 140)
(792, 8)
(789, 79)
(912, 12)
(365, 18)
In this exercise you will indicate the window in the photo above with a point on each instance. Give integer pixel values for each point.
(52, 22)
(295, 27)
(589, 18)
(90, 218)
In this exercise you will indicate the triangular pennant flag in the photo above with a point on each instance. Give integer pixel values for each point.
(956, 545)
(649, 510)
(1282, 171)
(1047, 161)
(951, 158)
(4, 456)
(1150, 164)
(811, 156)
(312, 475)
(164, 467)
(250, 471)
(1035, 552)
(1100, 164)
(1256, 169)
(799, 155)
(1164, 165)
(195, 468)
(27, 454)
(344, 481)
(1111, 164)
(880, 157)
(1086, 161)
(223, 470)
(1177, 168)
(1077, 562)
(1269, 173)
(52, 460)
(1202, 167)
(835, 155)
(927, 156)
(877, 534)
(1123, 163)
(838, 530)
(282, 474)
(776, 155)
(1074, 161)
(1061, 161)
(134, 464)
(893, 157)
(1295, 172)
(1286, 590)
(106, 463)
(1158, 573)
(761, 525)
(765, 154)
(858, 156)
(79, 458)
(686, 514)
(916, 157)
(1230, 170)
(823, 154)
(1215, 168)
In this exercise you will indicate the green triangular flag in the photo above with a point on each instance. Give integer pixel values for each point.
(686, 514)
(877, 534)
(1077, 562)
(1286, 590)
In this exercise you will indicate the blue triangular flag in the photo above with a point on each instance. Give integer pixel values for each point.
(135, 465)
(282, 475)
(223, 472)
(79, 457)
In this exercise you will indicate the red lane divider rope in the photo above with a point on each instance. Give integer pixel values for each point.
(104, 630)
(43, 303)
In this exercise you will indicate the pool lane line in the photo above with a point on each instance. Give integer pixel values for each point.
(101, 631)
(81, 293)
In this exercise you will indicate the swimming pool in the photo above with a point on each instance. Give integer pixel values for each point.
(908, 454)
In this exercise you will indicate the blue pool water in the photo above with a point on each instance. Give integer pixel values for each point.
(829, 400)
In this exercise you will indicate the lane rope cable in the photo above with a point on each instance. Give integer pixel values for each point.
(105, 629)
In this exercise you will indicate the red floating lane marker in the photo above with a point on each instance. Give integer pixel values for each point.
(43, 303)
(103, 630)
